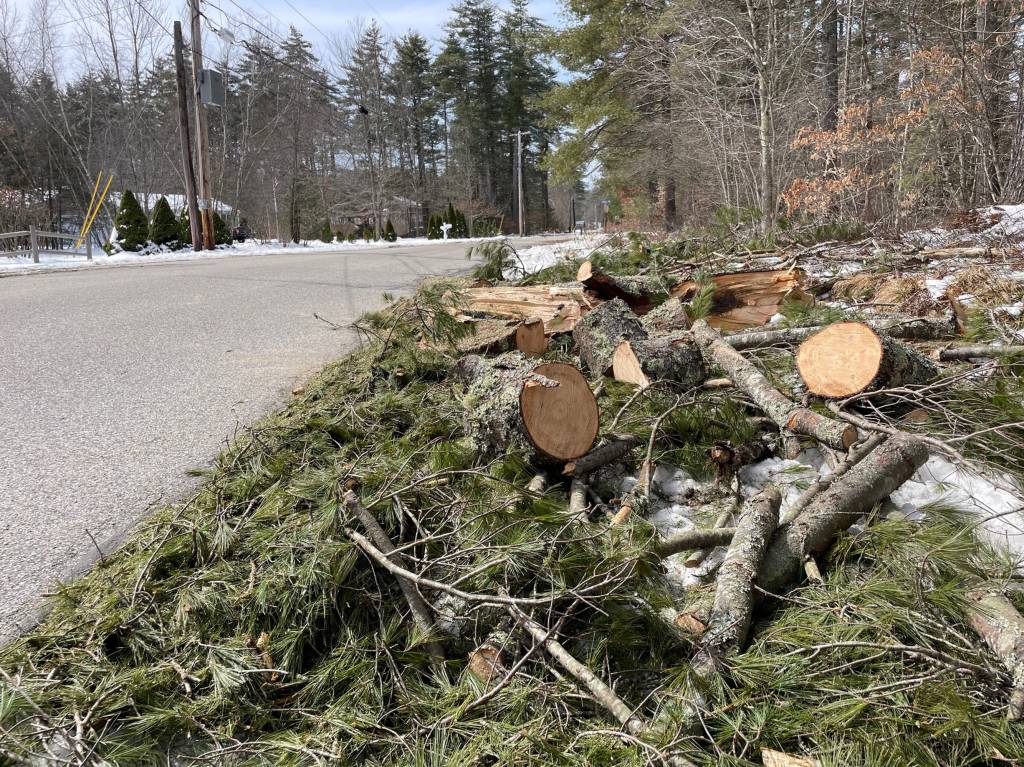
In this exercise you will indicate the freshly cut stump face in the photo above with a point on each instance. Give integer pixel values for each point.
(841, 360)
(560, 421)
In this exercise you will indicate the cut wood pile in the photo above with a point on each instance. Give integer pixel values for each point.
(673, 514)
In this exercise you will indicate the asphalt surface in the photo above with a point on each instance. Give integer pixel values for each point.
(115, 381)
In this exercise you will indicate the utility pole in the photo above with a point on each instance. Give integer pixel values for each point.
(519, 181)
(202, 136)
(369, 159)
(186, 139)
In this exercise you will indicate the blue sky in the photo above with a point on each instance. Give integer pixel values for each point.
(320, 20)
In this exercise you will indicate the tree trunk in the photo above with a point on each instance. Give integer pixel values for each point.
(637, 292)
(1001, 626)
(661, 358)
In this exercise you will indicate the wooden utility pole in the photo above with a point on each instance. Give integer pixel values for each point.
(186, 139)
(519, 182)
(202, 136)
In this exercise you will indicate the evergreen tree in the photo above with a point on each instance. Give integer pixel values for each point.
(325, 232)
(221, 233)
(434, 227)
(130, 223)
(163, 227)
(389, 232)
(184, 229)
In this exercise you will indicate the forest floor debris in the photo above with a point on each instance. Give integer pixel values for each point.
(425, 558)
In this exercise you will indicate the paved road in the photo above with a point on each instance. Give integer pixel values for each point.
(114, 382)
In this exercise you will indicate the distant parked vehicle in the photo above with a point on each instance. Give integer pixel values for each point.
(241, 233)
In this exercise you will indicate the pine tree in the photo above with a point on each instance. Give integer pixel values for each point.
(325, 232)
(130, 223)
(163, 227)
(389, 232)
(221, 233)
(434, 227)
(184, 230)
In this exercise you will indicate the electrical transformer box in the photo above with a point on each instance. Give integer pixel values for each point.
(211, 87)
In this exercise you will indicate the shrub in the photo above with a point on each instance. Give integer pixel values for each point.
(434, 227)
(325, 232)
(130, 223)
(163, 228)
(389, 232)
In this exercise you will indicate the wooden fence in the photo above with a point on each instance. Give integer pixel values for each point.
(37, 242)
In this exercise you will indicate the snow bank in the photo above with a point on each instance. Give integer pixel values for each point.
(538, 257)
(57, 261)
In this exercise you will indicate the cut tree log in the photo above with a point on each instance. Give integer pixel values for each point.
(1001, 626)
(601, 330)
(559, 307)
(850, 358)
(747, 299)
(637, 292)
(661, 358)
(735, 594)
(913, 329)
(512, 402)
(776, 405)
(833, 510)
(530, 338)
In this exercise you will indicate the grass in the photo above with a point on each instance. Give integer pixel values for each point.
(243, 626)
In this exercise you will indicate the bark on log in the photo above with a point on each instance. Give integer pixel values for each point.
(698, 538)
(850, 358)
(1001, 626)
(637, 292)
(512, 403)
(602, 455)
(777, 406)
(735, 594)
(975, 351)
(836, 508)
(917, 329)
(601, 330)
(666, 318)
(660, 358)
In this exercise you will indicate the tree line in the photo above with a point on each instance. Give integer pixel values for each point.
(770, 111)
(374, 127)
